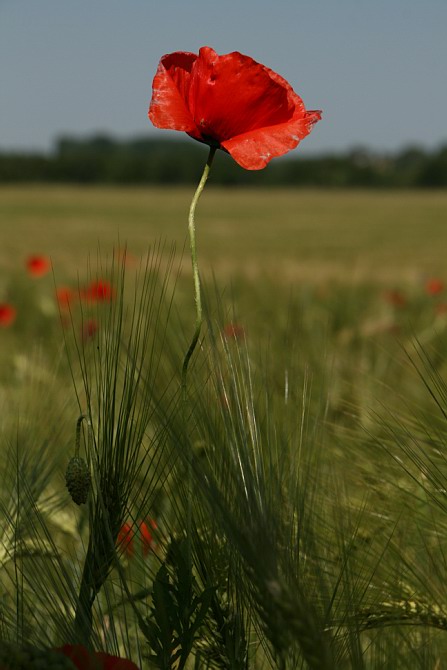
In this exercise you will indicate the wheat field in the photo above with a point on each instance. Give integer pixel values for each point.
(288, 510)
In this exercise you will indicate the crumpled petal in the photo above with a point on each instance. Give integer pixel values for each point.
(253, 150)
(168, 108)
(233, 94)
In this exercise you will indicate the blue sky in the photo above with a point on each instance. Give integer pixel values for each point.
(377, 68)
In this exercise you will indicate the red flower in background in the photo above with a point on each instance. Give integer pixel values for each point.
(83, 659)
(125, 538)
(434, 286)
(146, 535)
(38, 266)
(395, 298)
(8, 315)
(128, 532)
(65, 296)
(98, 291)
(124, 256)
(89, 329)
(234, 331)
(230, 102)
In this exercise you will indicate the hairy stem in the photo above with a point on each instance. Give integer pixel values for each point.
(195, 268)
(195, 338)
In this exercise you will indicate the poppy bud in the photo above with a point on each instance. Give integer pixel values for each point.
(77, 478)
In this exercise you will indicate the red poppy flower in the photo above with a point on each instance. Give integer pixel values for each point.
(89, 329)
(8, 315)
(83, 659)
(234, 331)
(65, 296)
(395, 298)
(146, 535)
(38, 266)
(434, 286)
(98, 291)
(128, 532)
(125, 256)
(230, 102)
(125, 539)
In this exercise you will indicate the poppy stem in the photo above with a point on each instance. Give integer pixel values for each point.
(195, 268)
(82, 418)
(195, 338)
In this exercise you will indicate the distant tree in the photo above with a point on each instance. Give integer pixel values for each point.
(434, 172)
(101, 158)
(409, 165)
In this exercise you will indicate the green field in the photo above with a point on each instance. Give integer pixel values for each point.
(301, 480)
(288, 235)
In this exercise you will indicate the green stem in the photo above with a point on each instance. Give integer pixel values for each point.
(195, 338)
(82, 418)
(83, 623)
(195, 268)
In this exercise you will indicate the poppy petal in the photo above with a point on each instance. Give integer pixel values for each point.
(108, 662)
(78, 654)
(38, 266)
(8, 315)
(171, 83)
(83, 659)
(233, 94)
(125, 539)
(253, 150)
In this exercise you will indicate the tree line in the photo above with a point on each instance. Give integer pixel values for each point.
(102, 159)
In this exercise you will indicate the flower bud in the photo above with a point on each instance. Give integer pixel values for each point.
(77, 478)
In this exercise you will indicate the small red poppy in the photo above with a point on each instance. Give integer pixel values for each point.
(234, 331)
(146, 535)
(125, 539)
(65, 297)
(83, 659)
(230, 102)
(89, 329)
(128, 532)
(126, 257)
(395, 298)
(38, 266)
(98, 291)
(8, 315)
(434, 286)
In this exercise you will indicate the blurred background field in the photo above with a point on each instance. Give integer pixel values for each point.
(288, 235)
(348, 278)
(350, 262)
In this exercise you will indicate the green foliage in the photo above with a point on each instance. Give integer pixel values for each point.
(117, 376)
(177, 610)
(103, 159)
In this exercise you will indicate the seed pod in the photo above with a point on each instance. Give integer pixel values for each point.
(77, 478)
(30, 658)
